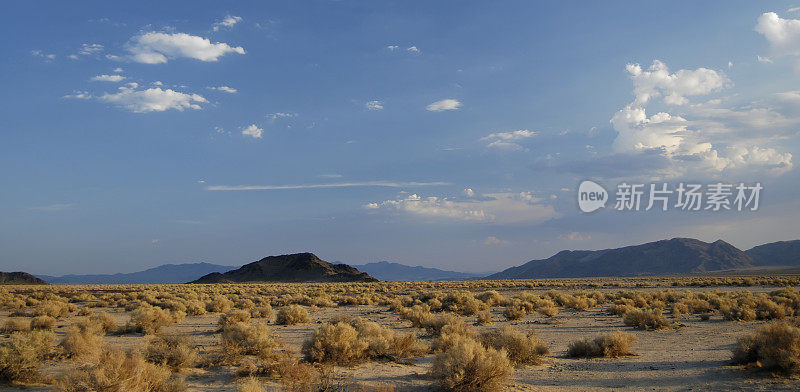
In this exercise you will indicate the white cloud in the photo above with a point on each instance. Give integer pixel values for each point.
(46, 56)
(228, 22)
(386, 184)
(764, 59)
(445, 104)
(392, 48)
(253, 131)
(108, 78)
(90, 49)
(157, 48)
(226, 89)
(675, 87)
(706, 138)
(468, 192)
(77, 94)
(499, 208)
(412, 49)
(118, 70)
(275, 116)
(783, 35)
(492, 240)
(508, 140)
(152, 99)
(374, 105)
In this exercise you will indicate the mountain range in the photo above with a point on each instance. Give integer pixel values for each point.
(385, 270)
(298, 267)
(19, 278)
(163, 274)
(667, 257)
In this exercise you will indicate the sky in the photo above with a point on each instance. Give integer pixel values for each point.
(445, 134)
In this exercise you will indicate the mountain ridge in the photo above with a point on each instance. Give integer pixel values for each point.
(162, 274)
(391, 271)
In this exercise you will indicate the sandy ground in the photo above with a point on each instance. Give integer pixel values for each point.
(691, 356)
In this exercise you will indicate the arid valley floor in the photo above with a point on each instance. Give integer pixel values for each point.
(678, 333)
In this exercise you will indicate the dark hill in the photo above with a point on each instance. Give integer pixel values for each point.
(782, 253)
(19, 278)
(299, 267)
(666, 257)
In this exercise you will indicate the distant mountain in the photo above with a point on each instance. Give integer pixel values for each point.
(164, 274)
(666, 257)
(384, 270)
(299, 267)
(782, 253)
(19, 278)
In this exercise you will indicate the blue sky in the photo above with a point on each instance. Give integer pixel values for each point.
(451, 135)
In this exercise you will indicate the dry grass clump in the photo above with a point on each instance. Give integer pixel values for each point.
(514, 311)
(82, 341)
(359, 340)
(646, 319)
(43, 322)
(484, 318)
(251, 384)
(233, 317)
(679, 309)
(469, 366)
(291, 315)
(244, 339)
(175, 351)
(522, 348)
(116, 370)
(419, 315)
(55, 309)
(16, 325)
(548, 311)
(608, 345)
(22, 354)
(264, 311)
(219, 304)
(774, 347)
(150, 320)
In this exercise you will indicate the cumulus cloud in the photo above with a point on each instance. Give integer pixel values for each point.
(90, 49)
(152, 99)
(46, 56)
(157, 48)
(78, 94)
(253, 131)
(706, 138)
(228, 22)
(675, 87)
(783, 35)
(764, 59)
(275, 116)
(108, 78)
(412, 49)
(374, 105)
(499, 208)
(574, 236)
(392, 48)
(508, 141)
(445, 104)
(229, 90)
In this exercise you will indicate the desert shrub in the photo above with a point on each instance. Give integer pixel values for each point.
(16, 325)
(233, 317)
(43, 322)
(149, 320)
(244, 339)
(767, 309)
(450, 334)
(118, 371)
(175, 351)
(219, 304)
(82, 341)
(620, 309)
(264, 311)
(521, 348)
(774, 347)
(104, 321)
(50, 308)
(491, 298)
(469, 366)
(514, 312)
(679, 309)
(738, 313)
(347, 343)
(85, 311)
(484, 318)
(251, 384)
(646, 319)
(22, 354)
(292, 314)
(419, 315)
(609, 345)
(548, 311)
(195, 308)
